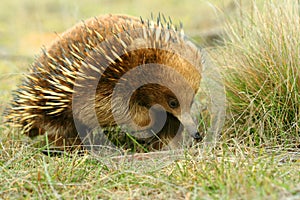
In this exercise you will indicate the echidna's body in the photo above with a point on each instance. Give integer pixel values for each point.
(75, 80)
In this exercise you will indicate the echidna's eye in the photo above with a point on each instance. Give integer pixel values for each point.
(173, 103)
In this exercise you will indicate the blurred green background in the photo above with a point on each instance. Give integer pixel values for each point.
(27, 25)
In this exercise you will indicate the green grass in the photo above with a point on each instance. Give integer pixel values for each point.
(236, 172)
(257, 156)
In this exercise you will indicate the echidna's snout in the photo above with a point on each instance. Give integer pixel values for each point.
(189, 124)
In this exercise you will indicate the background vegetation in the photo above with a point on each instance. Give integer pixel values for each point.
(257, 156)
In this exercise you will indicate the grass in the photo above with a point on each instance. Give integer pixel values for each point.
(236, 172)
(257, 156)
(262, 75)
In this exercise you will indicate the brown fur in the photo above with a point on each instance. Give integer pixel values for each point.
(43, 102)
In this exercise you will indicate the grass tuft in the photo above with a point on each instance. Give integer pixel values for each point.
(261, 67)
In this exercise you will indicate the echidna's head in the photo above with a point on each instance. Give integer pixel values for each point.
(150, 101)
(159, 89)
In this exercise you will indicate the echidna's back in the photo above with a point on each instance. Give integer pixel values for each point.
(47, 91)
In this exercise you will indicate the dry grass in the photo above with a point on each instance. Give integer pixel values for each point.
(260, 58)
(236, 172)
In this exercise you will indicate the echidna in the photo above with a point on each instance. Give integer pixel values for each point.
(108, 71)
